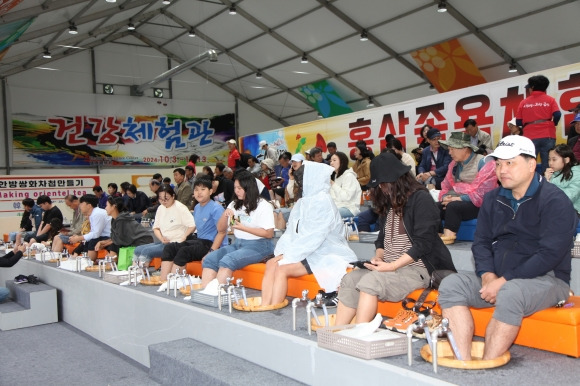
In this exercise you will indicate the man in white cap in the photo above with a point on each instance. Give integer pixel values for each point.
(269, 152)
(521, 249)
(234, 156)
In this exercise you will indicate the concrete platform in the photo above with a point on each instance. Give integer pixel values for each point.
(32, 305)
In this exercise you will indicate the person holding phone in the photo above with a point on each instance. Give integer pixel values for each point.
(408, 247)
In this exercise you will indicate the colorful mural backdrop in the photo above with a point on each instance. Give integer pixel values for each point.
(492, 105)
(324, 99)
(448, 66)
(120, 141)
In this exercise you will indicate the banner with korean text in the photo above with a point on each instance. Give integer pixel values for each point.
(82, 140)
(13, 189)
(492, 105)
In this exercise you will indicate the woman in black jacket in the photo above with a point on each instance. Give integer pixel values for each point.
(408, 247)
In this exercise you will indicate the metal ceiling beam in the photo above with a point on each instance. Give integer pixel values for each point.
(74, 41)
(35, 63)
(242, 61)
(31, 12)
(298, 51)
(482, 36)
(85, 19)
(199, 72)
(342, 16)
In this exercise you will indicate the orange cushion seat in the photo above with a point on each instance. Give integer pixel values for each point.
(253, 274)
(553, 329)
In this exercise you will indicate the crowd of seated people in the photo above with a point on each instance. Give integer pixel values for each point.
(193, 224)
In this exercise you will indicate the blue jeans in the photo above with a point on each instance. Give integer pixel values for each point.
(543, 146)
(147, 252)
(239, 254)
(4, 293)
(345, 212)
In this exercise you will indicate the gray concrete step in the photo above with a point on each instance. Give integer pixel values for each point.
(190, 362)
(38, 305)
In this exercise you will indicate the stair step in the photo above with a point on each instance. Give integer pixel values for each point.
(11, 306)
(188, 361)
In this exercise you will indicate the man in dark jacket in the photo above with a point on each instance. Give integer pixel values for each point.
(521, 249)
(434, 161)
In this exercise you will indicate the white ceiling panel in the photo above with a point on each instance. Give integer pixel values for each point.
(367, 13)
(349, 53)
(382, 77)
(530, 34)
(229, 30)
(264, 51)
(483, 13)
(293, 73)
(315, 29)
(418, 30)
(276, 12)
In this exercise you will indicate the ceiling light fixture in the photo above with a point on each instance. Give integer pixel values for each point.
(513, 67)
(46, 54)
(72, 29)
(364, 36)
(108, 89)
(304, 58)
(166, 2)
(370, 102)
(191, 33)
(442, 7)
(130, 27)
(233, 10)
(259, 74)
(111, 1)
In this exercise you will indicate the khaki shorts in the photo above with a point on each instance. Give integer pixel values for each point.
(387, 286)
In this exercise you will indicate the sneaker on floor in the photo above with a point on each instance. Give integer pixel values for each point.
(329, 299)
(401, 321)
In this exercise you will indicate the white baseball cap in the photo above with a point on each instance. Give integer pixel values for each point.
(232, 141)
(513, 145)
(262, 143)
(298, 157)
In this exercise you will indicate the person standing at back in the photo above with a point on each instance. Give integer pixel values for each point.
(538, 115)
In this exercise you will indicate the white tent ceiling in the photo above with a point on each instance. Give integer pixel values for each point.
(271, 36)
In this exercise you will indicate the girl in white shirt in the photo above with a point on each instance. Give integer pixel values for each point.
(345, 189)
(173, 224)
(252, 220)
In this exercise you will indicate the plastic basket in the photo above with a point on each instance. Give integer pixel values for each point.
(392, 344)
(576, 249)
(116, 277)
(208, 300)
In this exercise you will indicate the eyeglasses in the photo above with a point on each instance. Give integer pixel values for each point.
(166, 198)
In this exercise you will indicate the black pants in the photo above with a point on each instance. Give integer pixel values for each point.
(457, 211)
(187, 251)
